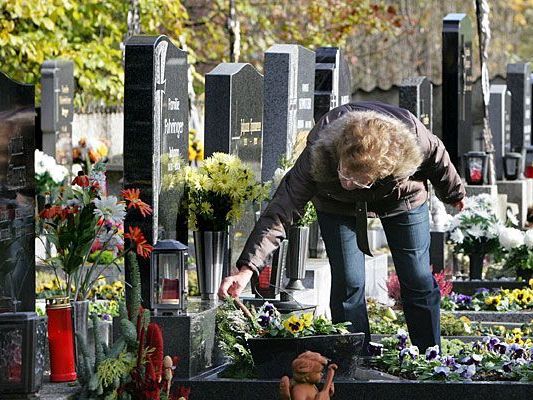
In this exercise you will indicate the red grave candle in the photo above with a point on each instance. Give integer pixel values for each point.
(60, 340)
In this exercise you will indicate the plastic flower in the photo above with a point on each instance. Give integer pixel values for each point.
(110, 209)
(133, 200)
(143, 248)
(293, 324)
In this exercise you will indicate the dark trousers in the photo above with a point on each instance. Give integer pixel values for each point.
(408, 238)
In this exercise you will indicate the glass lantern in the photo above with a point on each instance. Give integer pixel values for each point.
(168, 286)
(512, 166)
(476, 167)
(22, 347)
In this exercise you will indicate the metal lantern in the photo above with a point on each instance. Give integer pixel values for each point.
(512, 166)
(476, 163)
(22, 347)
(168, 285)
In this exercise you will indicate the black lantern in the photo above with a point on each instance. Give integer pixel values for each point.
(512, 166)
(476, 167)
(22, 347)
(168, 286)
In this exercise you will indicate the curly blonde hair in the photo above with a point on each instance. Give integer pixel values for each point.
(378, 146)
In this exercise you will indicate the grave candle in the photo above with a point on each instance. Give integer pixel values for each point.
(60, 340)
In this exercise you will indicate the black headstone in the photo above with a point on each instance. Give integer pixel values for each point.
(234, 124)
(156, 131)
(288, 102)
(519, 84)
(457, 86)
(416, 95)
(57, 109)
(17, 194)
(333, 86)
(500, 124)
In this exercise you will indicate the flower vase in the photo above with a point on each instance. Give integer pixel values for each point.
(297, 256)
(80, 312)
(210, 250)
(476, 265)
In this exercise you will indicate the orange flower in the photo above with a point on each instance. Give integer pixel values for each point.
(143, 248)
(81, 180)
(132, 197)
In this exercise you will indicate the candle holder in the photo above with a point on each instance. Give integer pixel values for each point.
(512, 166)
(476, 167)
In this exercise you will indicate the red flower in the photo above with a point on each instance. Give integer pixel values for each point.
(132, 197)
(143, 248)
(81, 180)
(51, 212)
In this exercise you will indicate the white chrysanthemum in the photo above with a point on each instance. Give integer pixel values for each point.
(511, 238)
(45, 163)
(476, 231)
(528, 238)
(58, 173)
(493, 230)
(457, 236)
(110, 209)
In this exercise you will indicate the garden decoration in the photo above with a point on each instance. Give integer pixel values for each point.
(217, 194)
(474, 231)
(307, 371)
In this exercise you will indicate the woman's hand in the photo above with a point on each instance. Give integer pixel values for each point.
(234, 285)
(459, 205)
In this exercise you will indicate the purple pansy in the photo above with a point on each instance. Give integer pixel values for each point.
(491, 342)
(466, 371)
(401, 335)
(448, 361)
(482, 291)
(412, 351)
(432, 353)
(442, 371)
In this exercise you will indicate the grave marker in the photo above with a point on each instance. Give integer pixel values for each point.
(57, 109)
(234, 124)
(156, 131)
(457, 86)
(519, 84)
(288, 102)
(17, 194)
(500, 124)
(416, 95)
(332, 80)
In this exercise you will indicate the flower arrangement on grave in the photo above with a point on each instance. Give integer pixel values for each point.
(81, 221)
(519, 248)
(219, 190)
(89, 151)
(475, 229)
(196, 148)
(49, 176)
(491, 300)
(489, 359)
(133, 367)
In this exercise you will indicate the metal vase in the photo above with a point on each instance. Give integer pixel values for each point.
(476, 265)
(297, 256)
(210, 248)
(80, 314)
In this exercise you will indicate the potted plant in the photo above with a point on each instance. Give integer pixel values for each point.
(474, 231)
(217, 194)
(84, 226)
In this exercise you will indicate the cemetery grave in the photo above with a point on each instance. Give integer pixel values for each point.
(121, 314)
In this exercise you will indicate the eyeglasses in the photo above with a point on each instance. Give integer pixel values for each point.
(352, 180)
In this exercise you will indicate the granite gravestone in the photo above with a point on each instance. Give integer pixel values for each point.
(500, 124)
(17, 194)
(416, 95)
(288, 103)
(333, 86)
(156, 124)
(519, 84)
(234, 124)
(457, 86)
(57, 109)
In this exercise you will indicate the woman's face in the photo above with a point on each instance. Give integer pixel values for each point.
(353, 180)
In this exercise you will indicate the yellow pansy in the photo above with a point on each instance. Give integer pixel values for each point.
(293, 324)
(307, 319)
(493, 300)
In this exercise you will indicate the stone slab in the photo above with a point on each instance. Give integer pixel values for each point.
(379, 388)
(469, 287)
(495, 316)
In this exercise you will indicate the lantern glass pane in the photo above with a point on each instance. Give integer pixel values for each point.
(475, 167)
(11, 355)
(168, 272)
(511, 165)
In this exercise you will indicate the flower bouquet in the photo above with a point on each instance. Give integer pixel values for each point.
(84, 225)
(474, 231)
(519, 248)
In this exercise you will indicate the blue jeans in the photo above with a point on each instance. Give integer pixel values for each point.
(408, 238)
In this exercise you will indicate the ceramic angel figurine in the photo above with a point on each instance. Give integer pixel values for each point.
(307, 371)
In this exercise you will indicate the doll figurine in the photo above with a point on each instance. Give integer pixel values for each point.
(307, 371)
